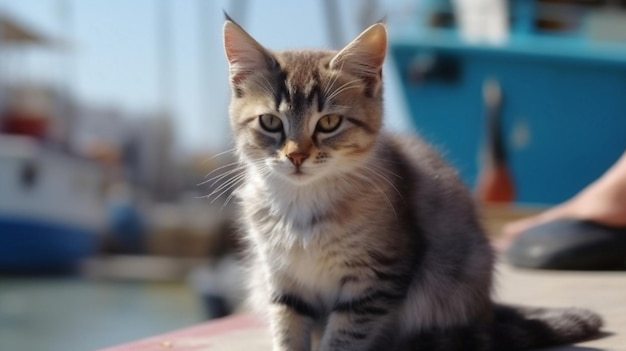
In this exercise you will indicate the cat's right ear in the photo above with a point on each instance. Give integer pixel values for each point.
(364, 56)
(245, 55)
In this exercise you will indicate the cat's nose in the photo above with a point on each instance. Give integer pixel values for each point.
(297, 158)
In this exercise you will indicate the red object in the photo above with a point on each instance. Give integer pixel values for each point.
(495, 185)
(200, 337)
(24, 123)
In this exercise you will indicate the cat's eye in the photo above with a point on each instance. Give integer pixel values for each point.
(271, 123)
(329, 123)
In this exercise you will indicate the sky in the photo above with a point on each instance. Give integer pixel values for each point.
(114, 57)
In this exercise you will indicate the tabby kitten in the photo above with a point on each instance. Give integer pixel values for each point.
(360, 239)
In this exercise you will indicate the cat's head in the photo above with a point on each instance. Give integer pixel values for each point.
(303, 115)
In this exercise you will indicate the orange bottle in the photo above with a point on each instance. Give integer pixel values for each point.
(495, 183)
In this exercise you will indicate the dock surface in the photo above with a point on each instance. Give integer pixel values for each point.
(603, 292)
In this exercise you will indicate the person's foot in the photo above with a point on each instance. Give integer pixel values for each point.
(569, 244)
(599, 202)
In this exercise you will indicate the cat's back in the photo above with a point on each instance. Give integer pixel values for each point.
(453, 281)
(439, 200)
(434, 182)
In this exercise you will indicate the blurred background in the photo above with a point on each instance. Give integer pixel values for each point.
(115, 221)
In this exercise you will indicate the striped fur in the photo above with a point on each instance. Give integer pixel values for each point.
(359, 239)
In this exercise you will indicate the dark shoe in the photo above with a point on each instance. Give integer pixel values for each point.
(570, 244)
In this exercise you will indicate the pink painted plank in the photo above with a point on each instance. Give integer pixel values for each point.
(199, 337)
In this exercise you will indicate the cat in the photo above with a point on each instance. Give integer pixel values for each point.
(360, 239)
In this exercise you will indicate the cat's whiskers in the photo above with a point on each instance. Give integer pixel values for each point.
(336, 75)
(380, 167)
(238, 166)
(379, 171)
(230, 183)
(215, 179)
(376, 185)
(331, 86)
(240, 183)
(355, 83)
(232, 194)
(225, 187)
(385, 160)
(347, 86)
(227, 151)
(235, 186)
(385, 179)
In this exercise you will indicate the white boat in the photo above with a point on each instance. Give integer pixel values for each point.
(52, 208)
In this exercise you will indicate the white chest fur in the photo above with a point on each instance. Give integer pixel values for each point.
(304, 235)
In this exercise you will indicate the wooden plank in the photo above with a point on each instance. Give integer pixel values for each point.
(602, 292)
(234, 333)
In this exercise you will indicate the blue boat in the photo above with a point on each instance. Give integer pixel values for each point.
(52, 208)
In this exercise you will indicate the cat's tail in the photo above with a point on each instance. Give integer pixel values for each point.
(515, 328)
(522, 328)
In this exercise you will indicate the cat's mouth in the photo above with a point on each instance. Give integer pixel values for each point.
(298, 175)
(297, 172)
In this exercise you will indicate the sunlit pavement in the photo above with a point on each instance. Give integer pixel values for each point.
(603, 292)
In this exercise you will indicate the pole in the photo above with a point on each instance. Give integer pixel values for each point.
(165, 74)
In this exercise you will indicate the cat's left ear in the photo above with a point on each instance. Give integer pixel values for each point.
(364, 56)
